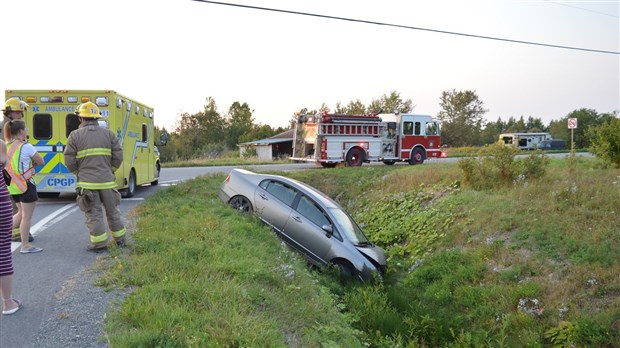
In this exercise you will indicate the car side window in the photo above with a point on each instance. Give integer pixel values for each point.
(279, 190)
(312, 212)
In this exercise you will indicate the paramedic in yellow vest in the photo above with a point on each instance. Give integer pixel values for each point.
(93, 154)
(22, 157)
(15, 109)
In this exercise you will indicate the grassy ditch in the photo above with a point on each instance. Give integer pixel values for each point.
(534, 262)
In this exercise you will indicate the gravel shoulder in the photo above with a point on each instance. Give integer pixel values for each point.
(77, 318)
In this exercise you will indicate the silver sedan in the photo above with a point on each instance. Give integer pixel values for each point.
(306, 219)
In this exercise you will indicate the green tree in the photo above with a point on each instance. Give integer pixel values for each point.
(534, 125)
(462, 119)
(240, 122)
(585, 118)
(391, 103)
(605, 141)
(356, 108)
(492, 130)
(196, 133)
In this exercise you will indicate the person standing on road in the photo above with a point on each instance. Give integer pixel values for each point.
(9, 304)
(93, 154)
(22, 158)
(14, 109)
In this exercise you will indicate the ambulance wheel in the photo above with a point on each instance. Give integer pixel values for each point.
(355, 158)
(157, 171)
(417, 157)
(131, 185)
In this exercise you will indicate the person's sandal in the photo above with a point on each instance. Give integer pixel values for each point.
(12, 311)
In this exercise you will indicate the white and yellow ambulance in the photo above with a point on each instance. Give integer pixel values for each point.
(51, 117)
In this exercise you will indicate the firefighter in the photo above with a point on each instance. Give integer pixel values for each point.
(14, 109)
(93, 154)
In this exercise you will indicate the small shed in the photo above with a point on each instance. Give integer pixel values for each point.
(279, 145)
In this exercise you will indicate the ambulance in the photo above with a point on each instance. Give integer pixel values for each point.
(50, 119)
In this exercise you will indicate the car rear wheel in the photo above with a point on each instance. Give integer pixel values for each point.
(241, 203)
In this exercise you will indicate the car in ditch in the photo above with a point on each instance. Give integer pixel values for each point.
(307, 220)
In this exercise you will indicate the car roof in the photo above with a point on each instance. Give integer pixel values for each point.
(303, 187)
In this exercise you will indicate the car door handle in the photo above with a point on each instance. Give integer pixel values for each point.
(262, 195)
(297, 218)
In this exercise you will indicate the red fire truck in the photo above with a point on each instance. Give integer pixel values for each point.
(332, 139)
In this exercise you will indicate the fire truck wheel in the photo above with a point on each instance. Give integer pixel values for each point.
(417, 157)
(355, 157)
(241, 203)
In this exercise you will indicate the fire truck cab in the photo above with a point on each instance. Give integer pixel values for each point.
(332, 139)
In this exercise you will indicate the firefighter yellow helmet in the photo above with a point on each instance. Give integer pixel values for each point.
(14, 104)
(88, 109)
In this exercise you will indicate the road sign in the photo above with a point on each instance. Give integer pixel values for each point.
(572, 123)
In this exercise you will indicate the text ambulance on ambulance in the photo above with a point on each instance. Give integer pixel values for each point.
(51, 118)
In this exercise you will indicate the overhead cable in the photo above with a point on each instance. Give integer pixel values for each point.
(408, 27)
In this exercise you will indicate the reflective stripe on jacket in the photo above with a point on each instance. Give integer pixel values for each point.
(93, 154)
(19, 179)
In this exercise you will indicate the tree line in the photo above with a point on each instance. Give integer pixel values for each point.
(210, 133)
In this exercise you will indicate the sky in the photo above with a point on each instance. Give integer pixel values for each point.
(174, 54)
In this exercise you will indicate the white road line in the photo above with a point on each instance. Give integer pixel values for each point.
(57, 216)
(49, 220)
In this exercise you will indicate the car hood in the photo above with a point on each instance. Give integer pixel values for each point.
(373, 252)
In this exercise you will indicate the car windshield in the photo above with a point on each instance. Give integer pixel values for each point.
(348, 227)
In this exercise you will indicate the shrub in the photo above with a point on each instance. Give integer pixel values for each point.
(496, 166)
(606, 141)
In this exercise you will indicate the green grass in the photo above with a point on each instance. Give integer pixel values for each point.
(534, 263)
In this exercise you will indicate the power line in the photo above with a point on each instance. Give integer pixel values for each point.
(408, 27)
(564, 3)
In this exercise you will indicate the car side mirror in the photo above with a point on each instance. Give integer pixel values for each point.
(328, 230)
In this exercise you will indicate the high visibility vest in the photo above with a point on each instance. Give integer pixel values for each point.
(19, 180)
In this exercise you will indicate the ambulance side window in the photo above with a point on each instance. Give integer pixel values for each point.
(71, 123)
(144, 133)
(42, 126)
